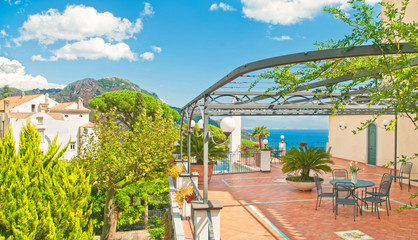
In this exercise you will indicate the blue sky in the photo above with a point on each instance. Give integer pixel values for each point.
(174, 48)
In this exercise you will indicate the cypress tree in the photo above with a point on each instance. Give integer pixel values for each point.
(42, 196)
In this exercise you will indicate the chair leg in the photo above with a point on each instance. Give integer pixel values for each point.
(336, 211)
(387, 210)
(320, 200)
(409, 184)
(377, 210)
(400, 182)
(387, 199)
(317, 197)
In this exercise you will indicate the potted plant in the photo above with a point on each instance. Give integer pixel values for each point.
(260, 133)
(299, 162)
(353, 170)
(185, 193)
(215, 153)
(175, 172)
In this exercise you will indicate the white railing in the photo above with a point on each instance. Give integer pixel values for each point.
(175, 223)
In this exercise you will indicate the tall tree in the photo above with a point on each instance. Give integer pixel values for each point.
(118, 158)
(42, 196)
(124, 103)
(260, 133)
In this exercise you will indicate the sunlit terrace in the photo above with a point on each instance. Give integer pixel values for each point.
(261, 205)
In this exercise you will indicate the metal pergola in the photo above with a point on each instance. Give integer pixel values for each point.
(230, 96)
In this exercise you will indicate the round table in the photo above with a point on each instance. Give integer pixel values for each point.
(359, 184)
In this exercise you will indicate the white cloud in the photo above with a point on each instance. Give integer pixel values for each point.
(147, 56)
(77, 22)
(156, 49)
(286, 12)
(92, 49)
(282, 38)
(148, 10)
(3, 33)
(12, 73)
(221, 6)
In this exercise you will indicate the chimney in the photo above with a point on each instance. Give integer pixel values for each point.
(22, 94)
(46, 98)
(80, 103)
(6, 106)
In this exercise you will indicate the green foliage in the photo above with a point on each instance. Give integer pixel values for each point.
(124, 104)
(159, 231)
(42, 196)
(260, 133)
(118, 158)
(6, 91)
(302, 160)
(216, 152)
(395, 87)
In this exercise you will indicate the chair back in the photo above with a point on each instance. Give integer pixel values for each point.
(317, 183)
(406, 168)
(385, 184)
(339, 174)
(347, 189)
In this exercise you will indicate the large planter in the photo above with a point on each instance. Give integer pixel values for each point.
(199, 169)
(302, 186)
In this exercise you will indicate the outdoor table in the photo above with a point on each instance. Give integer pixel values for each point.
(359, 184)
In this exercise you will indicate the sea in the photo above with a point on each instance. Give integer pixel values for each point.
(292, 137)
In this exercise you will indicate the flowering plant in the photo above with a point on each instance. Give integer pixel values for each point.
(354, 168)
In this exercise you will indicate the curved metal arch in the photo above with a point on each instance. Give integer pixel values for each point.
(369, 50)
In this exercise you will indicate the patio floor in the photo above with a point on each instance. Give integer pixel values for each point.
(263, 206)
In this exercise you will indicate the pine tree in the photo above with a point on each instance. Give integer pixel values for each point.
(42, 196)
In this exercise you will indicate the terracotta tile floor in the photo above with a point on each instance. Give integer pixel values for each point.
(262, 206)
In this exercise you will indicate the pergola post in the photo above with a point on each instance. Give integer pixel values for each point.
(205, 149)
(396, 142)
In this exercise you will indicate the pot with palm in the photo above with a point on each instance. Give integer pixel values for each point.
(216, 152)
(299, 162)
(260, 133)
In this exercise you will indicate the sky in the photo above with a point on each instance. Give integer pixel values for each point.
(175, 48)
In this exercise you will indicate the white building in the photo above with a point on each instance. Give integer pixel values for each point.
(67, 121)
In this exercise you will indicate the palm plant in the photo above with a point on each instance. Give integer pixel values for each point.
(260, 132)
(196, 145)
(302, 160)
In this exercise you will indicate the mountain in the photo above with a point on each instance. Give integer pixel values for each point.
(89, 88)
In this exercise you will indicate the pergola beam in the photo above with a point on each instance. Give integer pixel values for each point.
(369, 50)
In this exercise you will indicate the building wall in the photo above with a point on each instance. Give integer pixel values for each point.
(27, 107)
(354, 147)
(410, 12)
(67, 129)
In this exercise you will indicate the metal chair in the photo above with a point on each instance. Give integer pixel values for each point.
(405, 173)
(386, 177)
(320, 193)
(347, 197)
(378, 195)
(339, 174)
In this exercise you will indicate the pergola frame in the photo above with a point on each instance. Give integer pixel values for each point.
(300, 102)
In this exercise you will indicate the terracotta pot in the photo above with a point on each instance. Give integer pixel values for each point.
(189, 198)
(302, 186)
(199, 169)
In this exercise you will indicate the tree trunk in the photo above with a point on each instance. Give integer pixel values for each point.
(260, 141)
(146, 214)
(108, 214)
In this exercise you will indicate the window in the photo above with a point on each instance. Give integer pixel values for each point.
(40, 120)
(41, 131)
(33, 107)
(72, 146)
